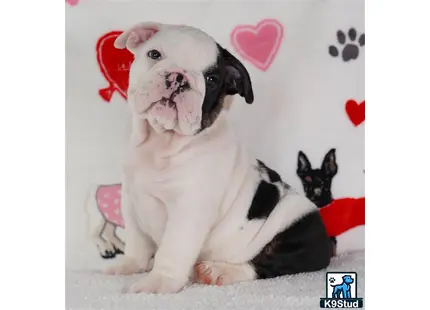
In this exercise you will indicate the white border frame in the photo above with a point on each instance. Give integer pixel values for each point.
(32, 129)
(397, 154)
(33, 156)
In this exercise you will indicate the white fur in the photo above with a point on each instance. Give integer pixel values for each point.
(186, 197)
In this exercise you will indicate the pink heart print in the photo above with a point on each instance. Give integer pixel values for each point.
(258, 44)
(72, 2)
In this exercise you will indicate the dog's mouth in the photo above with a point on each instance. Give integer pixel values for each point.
(170, 101)
(171, 108)
(165, 102)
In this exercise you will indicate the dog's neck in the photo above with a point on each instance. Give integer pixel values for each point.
(144, 138)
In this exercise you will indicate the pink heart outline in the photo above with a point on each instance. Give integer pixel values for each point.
(254, 30)
(72, 2)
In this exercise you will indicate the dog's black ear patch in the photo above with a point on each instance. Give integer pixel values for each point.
(237, 80)
(232, 78)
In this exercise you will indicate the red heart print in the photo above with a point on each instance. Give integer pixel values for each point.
(258, 44)
(355, 111)
(114, 64)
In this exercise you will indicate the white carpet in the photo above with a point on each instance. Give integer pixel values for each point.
(91, 290)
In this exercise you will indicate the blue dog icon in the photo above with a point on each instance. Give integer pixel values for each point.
(344, 288)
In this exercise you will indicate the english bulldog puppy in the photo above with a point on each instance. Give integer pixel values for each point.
(196, 206)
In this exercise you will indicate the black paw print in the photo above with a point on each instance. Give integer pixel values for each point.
(350, 51)
(332, 280)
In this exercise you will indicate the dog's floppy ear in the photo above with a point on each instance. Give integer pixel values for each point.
(238, 79)
(136, 35)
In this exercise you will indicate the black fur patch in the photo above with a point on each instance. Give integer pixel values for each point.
(267, 194)
(273, 175)
(208, 118)
(214, 97)
(232, 78)
(265, 199)
(302, 247)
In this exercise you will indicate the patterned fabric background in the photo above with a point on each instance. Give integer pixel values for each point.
(306, 61)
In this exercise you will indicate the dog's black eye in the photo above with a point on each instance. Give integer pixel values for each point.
(212, 80)
(154, 54)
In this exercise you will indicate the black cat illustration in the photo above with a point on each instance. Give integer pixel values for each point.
(317, 182)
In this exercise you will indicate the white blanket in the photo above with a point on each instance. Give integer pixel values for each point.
(89, 289)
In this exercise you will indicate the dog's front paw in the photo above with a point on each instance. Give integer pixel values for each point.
(127, 266)
(158, 283)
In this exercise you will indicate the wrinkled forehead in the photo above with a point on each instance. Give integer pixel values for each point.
(186, 47)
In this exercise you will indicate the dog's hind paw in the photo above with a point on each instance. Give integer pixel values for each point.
(159, 284)
(216, 273)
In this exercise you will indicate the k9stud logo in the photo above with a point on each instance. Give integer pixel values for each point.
(341, 291)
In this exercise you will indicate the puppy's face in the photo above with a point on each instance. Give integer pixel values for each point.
(180, 77)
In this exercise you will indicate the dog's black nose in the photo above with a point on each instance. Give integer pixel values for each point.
(179, 78)
(176, 81)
